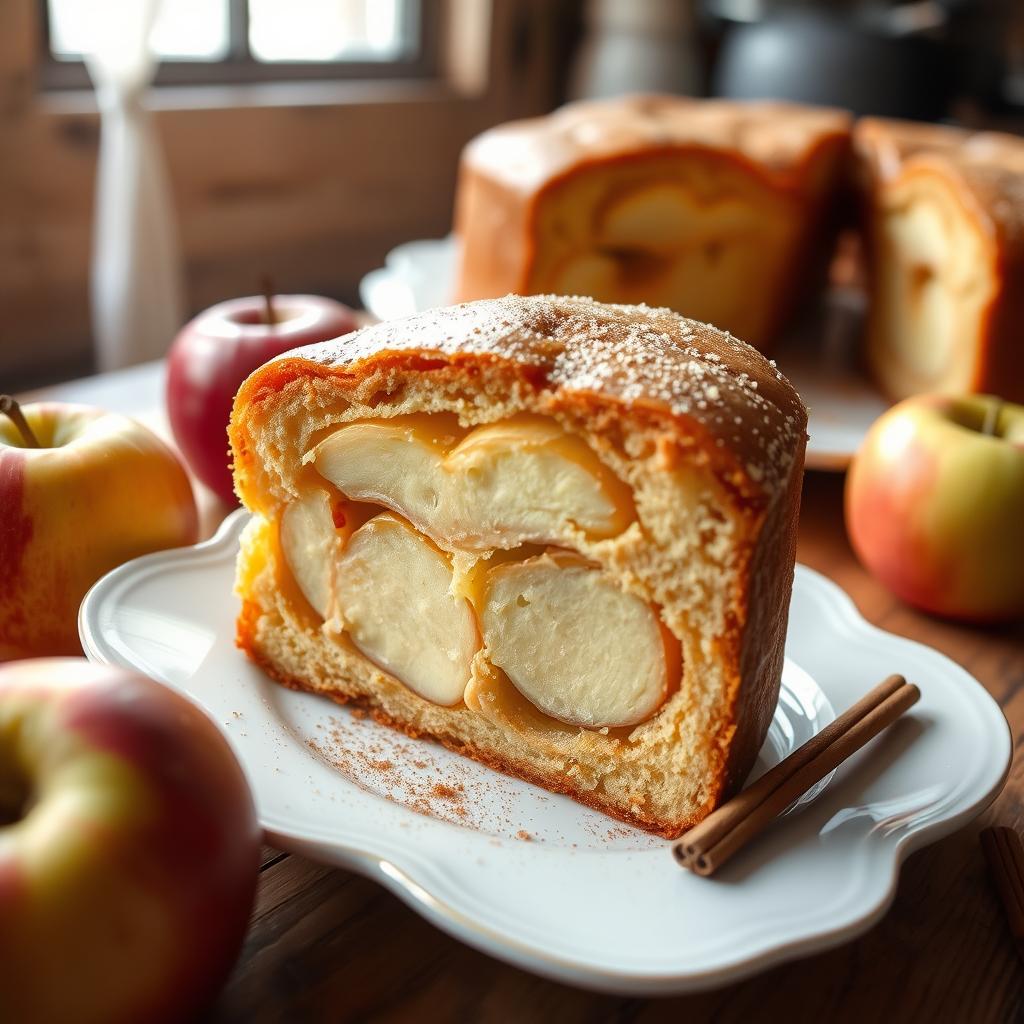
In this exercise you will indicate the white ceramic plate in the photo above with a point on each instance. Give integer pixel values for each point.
(536, 879)
(821, 358)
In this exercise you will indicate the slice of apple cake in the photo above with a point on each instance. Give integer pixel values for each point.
(554, 535)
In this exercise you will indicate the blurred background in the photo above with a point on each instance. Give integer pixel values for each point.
(303, 139)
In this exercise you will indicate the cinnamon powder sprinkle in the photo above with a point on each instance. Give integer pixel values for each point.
(374, 765)
(444, 792)
(406, 772)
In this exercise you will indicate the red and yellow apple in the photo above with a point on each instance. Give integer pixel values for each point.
(129, 848)
(100, 489)
(935, 505)
(214, 353)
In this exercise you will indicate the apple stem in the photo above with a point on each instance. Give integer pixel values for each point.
(10, 408)
(991, 424)
(266, 287)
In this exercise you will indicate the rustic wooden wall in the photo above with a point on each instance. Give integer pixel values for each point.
(310, 182)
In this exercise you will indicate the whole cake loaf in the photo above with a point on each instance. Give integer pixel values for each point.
(945, 228)
(556, 536)
(716, 209)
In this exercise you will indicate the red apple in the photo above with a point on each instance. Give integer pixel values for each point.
(935, 505)
(99, 490)
(216, 352)
(129, 848)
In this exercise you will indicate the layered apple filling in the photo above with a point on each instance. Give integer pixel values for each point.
(448, 557)
(700, 237)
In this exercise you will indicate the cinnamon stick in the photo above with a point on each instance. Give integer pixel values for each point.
(708, 846)
(1005, 856)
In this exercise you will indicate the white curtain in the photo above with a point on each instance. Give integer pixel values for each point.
(136, 282)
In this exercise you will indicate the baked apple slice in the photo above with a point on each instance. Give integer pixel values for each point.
(311, 544)
(521, 480)
(393, 590)
(575, 645)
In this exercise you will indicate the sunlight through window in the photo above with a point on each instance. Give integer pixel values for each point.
(185, 29)
(267, 31)
(325, 30)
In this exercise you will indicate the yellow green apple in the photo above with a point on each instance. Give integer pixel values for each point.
(97, 490)
(935, 505)
(129, 848)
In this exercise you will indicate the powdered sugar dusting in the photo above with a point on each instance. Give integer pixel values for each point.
(626, 354)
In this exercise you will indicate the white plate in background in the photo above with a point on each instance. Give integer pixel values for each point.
(536, 879)
(842, 402)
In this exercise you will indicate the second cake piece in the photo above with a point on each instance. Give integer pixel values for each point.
(945, 217)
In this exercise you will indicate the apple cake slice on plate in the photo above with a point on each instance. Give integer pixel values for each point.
(554, 535)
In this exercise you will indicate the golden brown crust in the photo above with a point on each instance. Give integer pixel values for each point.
(761, 657)
(735, 404)
(985, 171)
(988, 166)
(777, 140)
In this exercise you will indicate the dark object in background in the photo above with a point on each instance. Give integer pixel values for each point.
(925, 59)
(833, 59)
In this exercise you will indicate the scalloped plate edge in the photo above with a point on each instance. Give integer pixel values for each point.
(402, 881)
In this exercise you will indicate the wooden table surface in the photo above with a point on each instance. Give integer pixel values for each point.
(328, 945)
